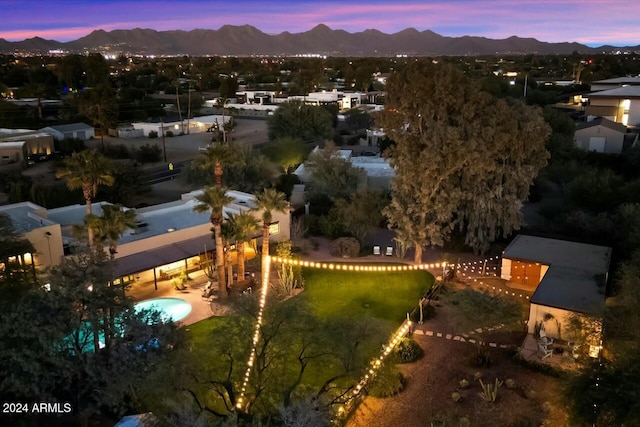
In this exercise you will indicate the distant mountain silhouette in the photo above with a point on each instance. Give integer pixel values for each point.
(248, 40)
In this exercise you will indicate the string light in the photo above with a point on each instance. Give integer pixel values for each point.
(256, 334)
(400, 333)
(359, 267)
(375, 365)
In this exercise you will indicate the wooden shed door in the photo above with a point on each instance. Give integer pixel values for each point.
(525, 273)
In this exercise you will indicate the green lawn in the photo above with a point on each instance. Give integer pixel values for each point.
(345, 315)
(387, 296)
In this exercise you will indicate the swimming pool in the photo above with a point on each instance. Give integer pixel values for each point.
(176, 309)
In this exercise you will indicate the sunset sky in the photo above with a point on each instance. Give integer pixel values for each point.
(592, 22)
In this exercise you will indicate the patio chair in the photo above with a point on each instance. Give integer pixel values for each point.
(544, 338)
(376, 250)
(544, 351)
(389, 251)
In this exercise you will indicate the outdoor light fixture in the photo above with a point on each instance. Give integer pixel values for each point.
(170, 230)
(376, 363)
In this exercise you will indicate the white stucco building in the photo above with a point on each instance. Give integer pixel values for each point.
(193, 125)
(565, 277)
(604, 136)
(169, 238)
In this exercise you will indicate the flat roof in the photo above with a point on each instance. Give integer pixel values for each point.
(576, 277)
(619, 80)
(73, 214)
(24, 137)
(12, 144)
(374, 166)
(619, 92)
(24, 216)
(69, 127)
(571, 289)
(157, 219)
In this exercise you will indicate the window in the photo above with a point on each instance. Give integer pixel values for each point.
(274, 228)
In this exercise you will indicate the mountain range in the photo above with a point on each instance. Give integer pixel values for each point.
(247, 40)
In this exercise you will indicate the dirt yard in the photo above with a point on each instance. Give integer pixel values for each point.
(535, 399)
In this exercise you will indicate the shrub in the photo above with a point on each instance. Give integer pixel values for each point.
(388, 382)
(407, 350)
(510, 383)
(540, 367)
(463, 383)
(117, 151)
(153, 134)
(148, 153)
(347, 247)
(331, 227)
(456, 397)
(169, 134)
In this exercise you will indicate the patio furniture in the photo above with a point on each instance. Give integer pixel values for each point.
(544, 351)
(376, 250)
(208, 291)
(389, 251)
(544, 338)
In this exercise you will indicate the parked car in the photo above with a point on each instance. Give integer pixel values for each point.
(368, 153)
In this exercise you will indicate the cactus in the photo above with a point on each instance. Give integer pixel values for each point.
(510, 383)
(455, 396)
(463, 383)
(477, 375)
(489, 392)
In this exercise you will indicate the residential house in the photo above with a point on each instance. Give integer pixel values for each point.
(621, 105)
(566, 278)
(604, 136)
(32, 222)
(169, 237)
(376, 173)
(177, 127)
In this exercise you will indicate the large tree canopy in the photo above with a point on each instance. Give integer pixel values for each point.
(463, 158)
(299, 120)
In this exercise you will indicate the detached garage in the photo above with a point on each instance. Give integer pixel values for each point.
(80, 131)
(565, 278)
(604, 136)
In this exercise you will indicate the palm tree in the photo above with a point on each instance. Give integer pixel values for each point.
(244, 225)
(269, 200)
(214, 199)
(110, 227)
(87, 170)
(218, 155)
(227, 232)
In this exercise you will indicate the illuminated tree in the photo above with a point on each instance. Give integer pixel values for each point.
(87, 170)
(269, 201)
(462, 158)
(243, 225)
(213, 200)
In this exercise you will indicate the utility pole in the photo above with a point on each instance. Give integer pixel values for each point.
(164, 148)
(189, 109)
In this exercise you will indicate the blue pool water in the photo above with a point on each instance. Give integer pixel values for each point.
(175, 309)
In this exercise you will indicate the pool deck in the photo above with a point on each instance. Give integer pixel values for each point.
(200, 309)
